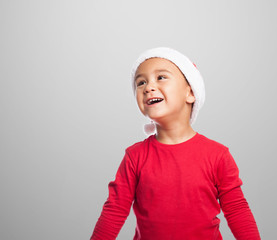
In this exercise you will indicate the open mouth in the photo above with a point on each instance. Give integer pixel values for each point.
(154, 101)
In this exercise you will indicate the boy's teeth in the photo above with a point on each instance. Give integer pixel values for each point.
(154, 100)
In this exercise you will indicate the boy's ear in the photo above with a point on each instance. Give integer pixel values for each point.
(190, 96)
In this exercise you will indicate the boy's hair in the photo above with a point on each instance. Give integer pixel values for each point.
(187, 68)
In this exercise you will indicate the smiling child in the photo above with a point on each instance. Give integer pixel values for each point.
(177, 179)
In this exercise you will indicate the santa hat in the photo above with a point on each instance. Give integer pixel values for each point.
(187, 67)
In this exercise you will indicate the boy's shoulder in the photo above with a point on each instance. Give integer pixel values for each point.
(137, 146)
(212, 142)
(211, 146)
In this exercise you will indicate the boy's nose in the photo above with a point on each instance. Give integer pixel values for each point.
(148, 88)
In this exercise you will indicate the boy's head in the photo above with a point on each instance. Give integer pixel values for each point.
(171, 77)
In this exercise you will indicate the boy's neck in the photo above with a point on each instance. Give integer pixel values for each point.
(174, 134)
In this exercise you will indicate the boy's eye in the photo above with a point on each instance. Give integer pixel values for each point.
(161, 77)
(140, 83)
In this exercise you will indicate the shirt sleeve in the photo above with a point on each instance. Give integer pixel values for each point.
(232, 201)
(117, 207)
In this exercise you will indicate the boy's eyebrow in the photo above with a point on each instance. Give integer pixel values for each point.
(156, 71)
(139, 75)
(163, 70)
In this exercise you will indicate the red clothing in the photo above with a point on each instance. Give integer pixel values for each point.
(177, 191)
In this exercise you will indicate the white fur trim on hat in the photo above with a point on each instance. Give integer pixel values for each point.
(188, 68)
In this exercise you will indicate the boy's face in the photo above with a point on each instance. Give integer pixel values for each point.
(160, 78)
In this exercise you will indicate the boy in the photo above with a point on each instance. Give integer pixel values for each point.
(178, 179)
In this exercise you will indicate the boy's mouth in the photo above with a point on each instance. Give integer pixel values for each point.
(153, 101)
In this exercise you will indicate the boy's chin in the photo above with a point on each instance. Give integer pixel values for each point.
(155, 119)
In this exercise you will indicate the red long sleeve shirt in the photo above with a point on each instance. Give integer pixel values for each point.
(177, 191)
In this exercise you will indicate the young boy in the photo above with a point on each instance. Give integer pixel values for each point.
(177, 179)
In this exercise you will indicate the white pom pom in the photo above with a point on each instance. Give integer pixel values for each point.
(149, 128)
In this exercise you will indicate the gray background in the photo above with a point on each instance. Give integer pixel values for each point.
(68, 113)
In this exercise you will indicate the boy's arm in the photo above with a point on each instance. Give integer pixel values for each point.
(232, 201)
(117, 207)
